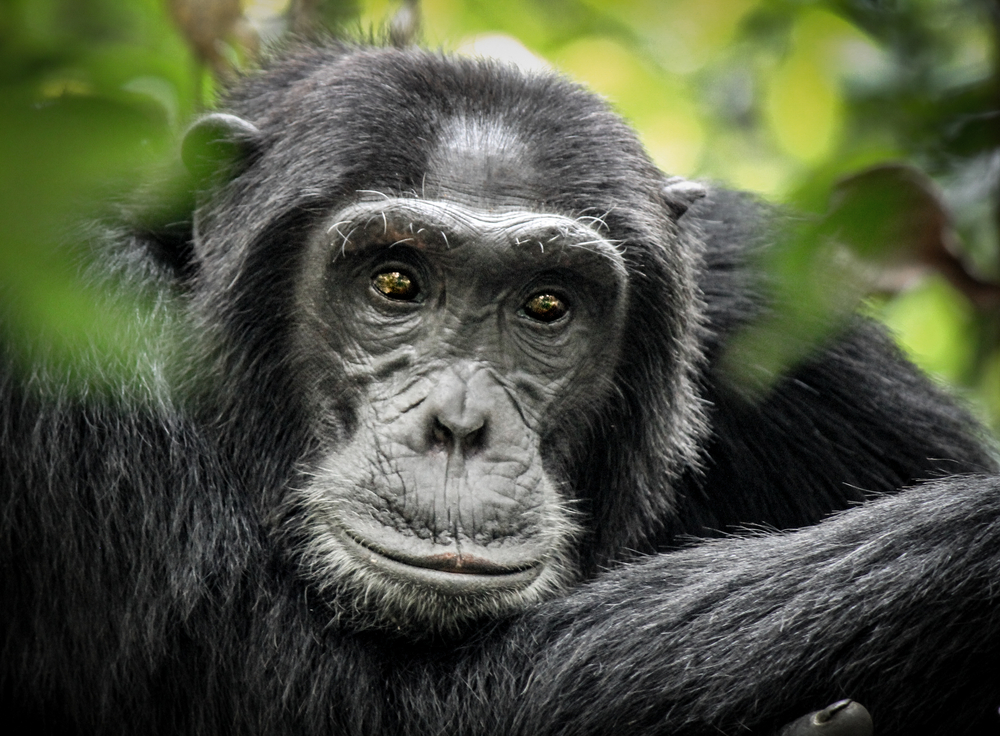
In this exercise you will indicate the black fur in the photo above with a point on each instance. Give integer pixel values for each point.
(147, 584)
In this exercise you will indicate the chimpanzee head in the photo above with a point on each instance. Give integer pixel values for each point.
(466, 284)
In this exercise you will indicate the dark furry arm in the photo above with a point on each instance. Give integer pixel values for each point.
(895, 604)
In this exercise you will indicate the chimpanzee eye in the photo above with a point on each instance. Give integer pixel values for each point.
(397, 285)
(545, 307)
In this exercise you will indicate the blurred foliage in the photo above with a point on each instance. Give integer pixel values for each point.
(787, 98)
(91, 93)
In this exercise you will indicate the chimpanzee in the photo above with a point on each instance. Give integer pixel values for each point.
(436, 396)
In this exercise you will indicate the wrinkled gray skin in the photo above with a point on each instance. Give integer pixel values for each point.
(440, 499)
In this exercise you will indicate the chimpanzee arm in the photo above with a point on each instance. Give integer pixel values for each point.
(895, 604)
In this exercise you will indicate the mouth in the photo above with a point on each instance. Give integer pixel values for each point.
(453, 569)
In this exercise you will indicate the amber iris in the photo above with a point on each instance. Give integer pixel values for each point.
(396, 285)
(545, 307)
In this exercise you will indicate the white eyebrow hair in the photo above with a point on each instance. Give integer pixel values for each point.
(520, 226)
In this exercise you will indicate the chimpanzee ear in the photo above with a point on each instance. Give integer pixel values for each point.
(219, 144)
(679, 194)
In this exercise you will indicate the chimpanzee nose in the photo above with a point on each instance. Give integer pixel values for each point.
(456, 411)
(448, 434)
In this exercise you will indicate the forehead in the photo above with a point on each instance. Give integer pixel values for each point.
(482, 161)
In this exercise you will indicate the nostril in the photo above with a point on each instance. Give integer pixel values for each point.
(474, 440)
(441, 435)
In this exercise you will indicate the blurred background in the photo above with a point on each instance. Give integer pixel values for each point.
(878, 119)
